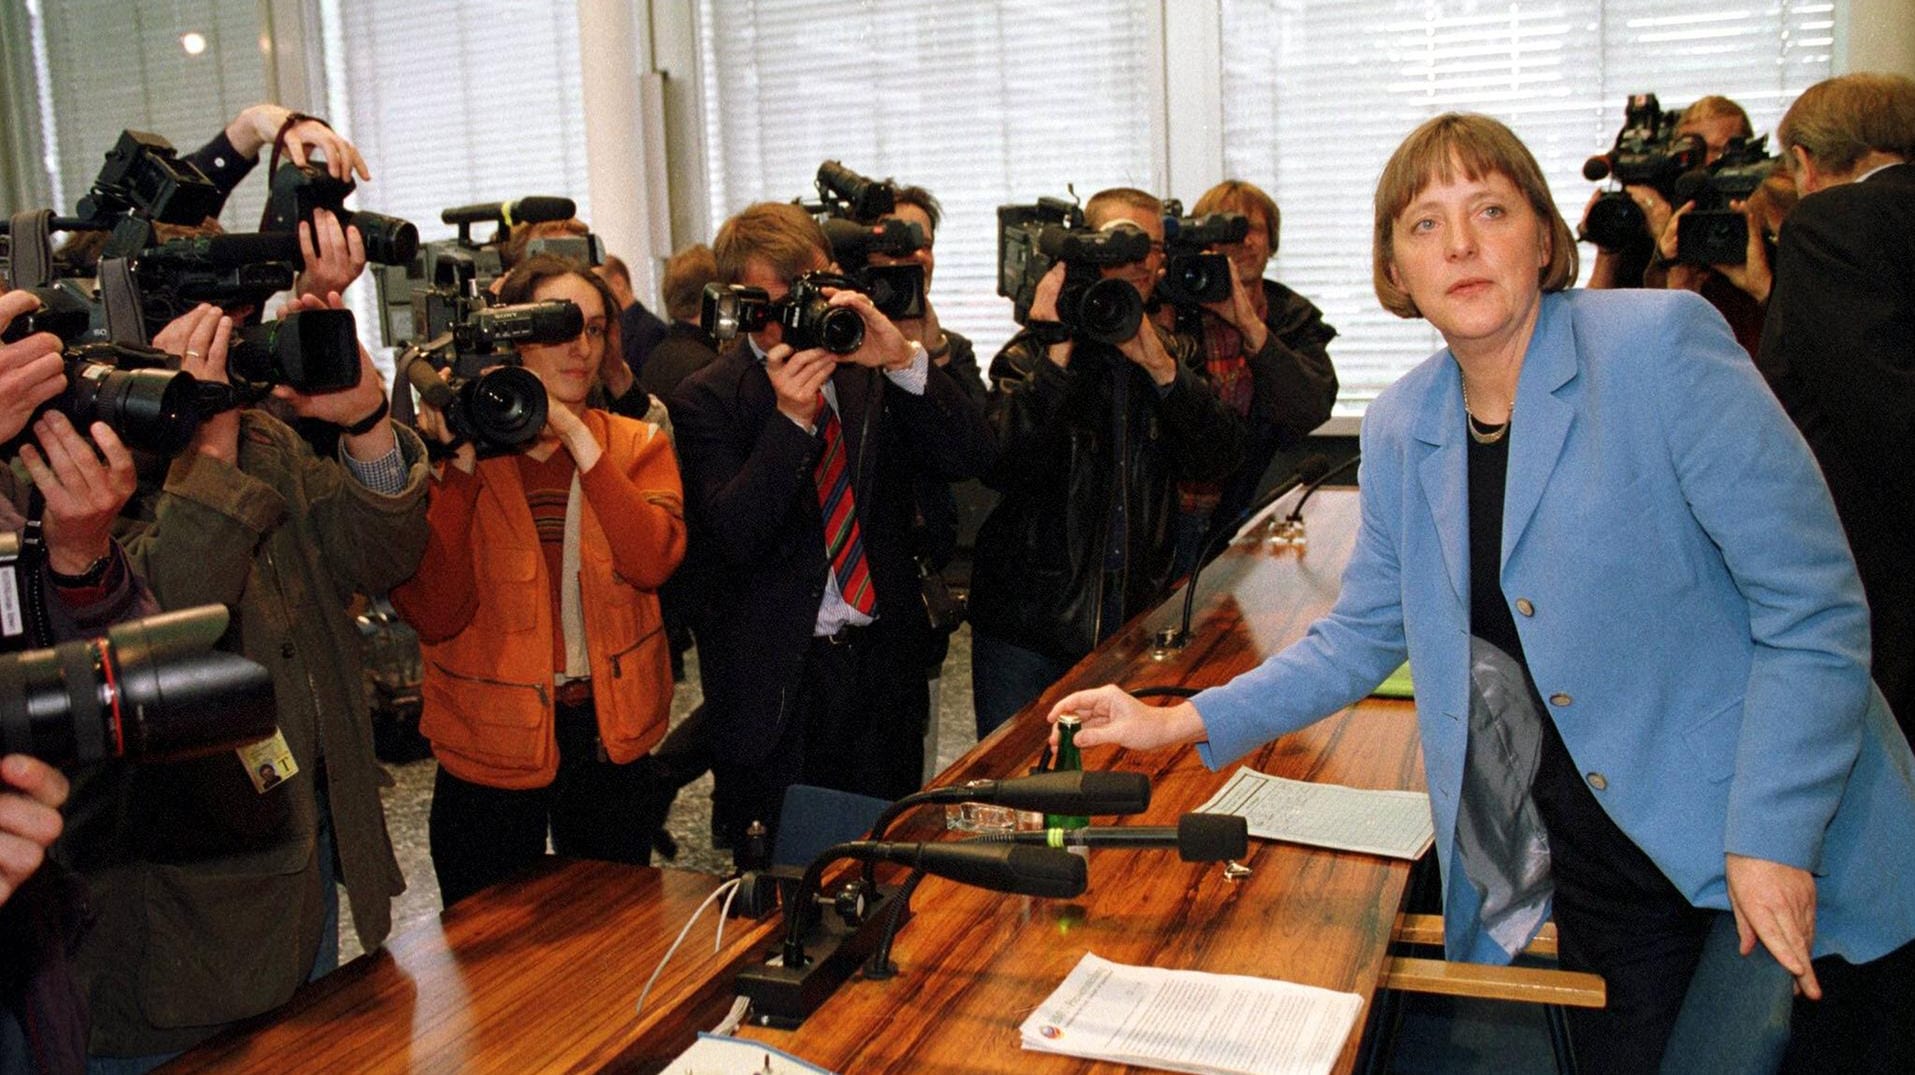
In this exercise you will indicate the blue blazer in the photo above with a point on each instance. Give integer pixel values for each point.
(1695, 625)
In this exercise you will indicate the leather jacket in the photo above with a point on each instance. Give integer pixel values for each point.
(1074, 445)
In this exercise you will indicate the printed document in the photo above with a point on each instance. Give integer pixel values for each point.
(1392, 823)
(1179, 1020)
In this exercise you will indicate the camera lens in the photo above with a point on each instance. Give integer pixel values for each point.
(389, 240)
(308, 351)
(840, 330)
(1110, 311)
(151, 410)
(1614, 221)
(502, 408)
(151, 688)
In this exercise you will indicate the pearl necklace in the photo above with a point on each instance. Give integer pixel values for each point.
(1488, 434)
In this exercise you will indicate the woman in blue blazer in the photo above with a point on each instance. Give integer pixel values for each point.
(1658, 571)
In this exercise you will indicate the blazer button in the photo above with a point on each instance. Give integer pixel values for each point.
(1598, 781)
(1560, 699)
(1523, 606)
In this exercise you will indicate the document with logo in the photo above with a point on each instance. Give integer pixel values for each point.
(1392, 823)
(1179, 1020)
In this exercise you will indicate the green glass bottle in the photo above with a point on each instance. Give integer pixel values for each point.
(1068, 761)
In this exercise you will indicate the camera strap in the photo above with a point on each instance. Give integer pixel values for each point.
(31, 252)
(24, 621)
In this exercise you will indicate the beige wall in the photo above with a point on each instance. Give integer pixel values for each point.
(1880, 37)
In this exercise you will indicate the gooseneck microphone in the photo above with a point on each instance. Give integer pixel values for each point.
(1197, 837)
(1296, 513)
(1172, 638)
(1011, 868)
(1079, 792)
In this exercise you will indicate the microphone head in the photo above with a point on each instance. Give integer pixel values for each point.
(1071, 792)
(536, 208)
(1596, 169)
(1046, 872)
(1212, 837)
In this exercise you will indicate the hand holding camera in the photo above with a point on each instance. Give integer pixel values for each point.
(1241, 312)
(256, 128)
(333, 256)
(31, 794)
(84, 491)
(882, 345)
(31, 369)
(346, 406)
(201, 337)
(798, 377)
(1146, 349)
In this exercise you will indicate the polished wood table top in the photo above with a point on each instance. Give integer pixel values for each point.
(541, 974)
(974, 964)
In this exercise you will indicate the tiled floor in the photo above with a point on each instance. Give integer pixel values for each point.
(409, 800)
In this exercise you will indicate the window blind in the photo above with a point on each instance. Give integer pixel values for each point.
(1317, 95)
(983, 105)
(106, 66)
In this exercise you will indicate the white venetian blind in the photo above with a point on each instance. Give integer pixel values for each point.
(454, 103)
(1318, 94)
(982, 105)
(103, 66)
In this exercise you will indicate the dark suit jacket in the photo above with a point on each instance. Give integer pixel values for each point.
(685, 350)
(1839, 350)
(757, 539)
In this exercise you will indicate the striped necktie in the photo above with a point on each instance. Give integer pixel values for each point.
(844, 542)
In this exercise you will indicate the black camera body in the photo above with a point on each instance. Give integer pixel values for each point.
(225, 270)
(297, 190)
(896, 290)
(806, 315)
(144, 176)
(151, 408)
(844, 193)
(1715, 233)
(488, 398)
(1193, 275)
(1647, 152)
(1033, 238)
(306, 350)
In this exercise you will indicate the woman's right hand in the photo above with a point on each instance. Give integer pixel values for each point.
(1114, 717)
(432, 426)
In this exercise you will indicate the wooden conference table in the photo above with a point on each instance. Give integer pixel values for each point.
(542, 973)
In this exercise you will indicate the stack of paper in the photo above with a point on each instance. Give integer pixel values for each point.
(1180, 1020)
(712, 1054)
(1393, 823)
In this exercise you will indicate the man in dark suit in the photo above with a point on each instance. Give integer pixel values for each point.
(1839, 343)
(687, 347)
(1839, 350)
(806, 629)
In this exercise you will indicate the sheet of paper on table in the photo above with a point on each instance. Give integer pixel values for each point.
(1392, 823)
(715, 1055)
(1179, 1020)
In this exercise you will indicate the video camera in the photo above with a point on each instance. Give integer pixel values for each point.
(1193, 275)
(1648, 151)
(1714, 233)
(808, 318)
(151, 689)
(414, 303)
(144, 182)
(488, 398)
(1032, 238)
(849, 208)
(297, 190)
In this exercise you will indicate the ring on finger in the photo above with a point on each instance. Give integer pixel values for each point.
(190, 353)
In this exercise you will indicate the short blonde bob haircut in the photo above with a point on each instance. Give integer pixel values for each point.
(1479, 146)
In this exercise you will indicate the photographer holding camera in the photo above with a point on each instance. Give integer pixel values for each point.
(1739, 290)
(1716, 121)
(800, 463)
(548, 676)
(1092, 438)
(42, 1013)
(214, 888)
(1266, 352)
